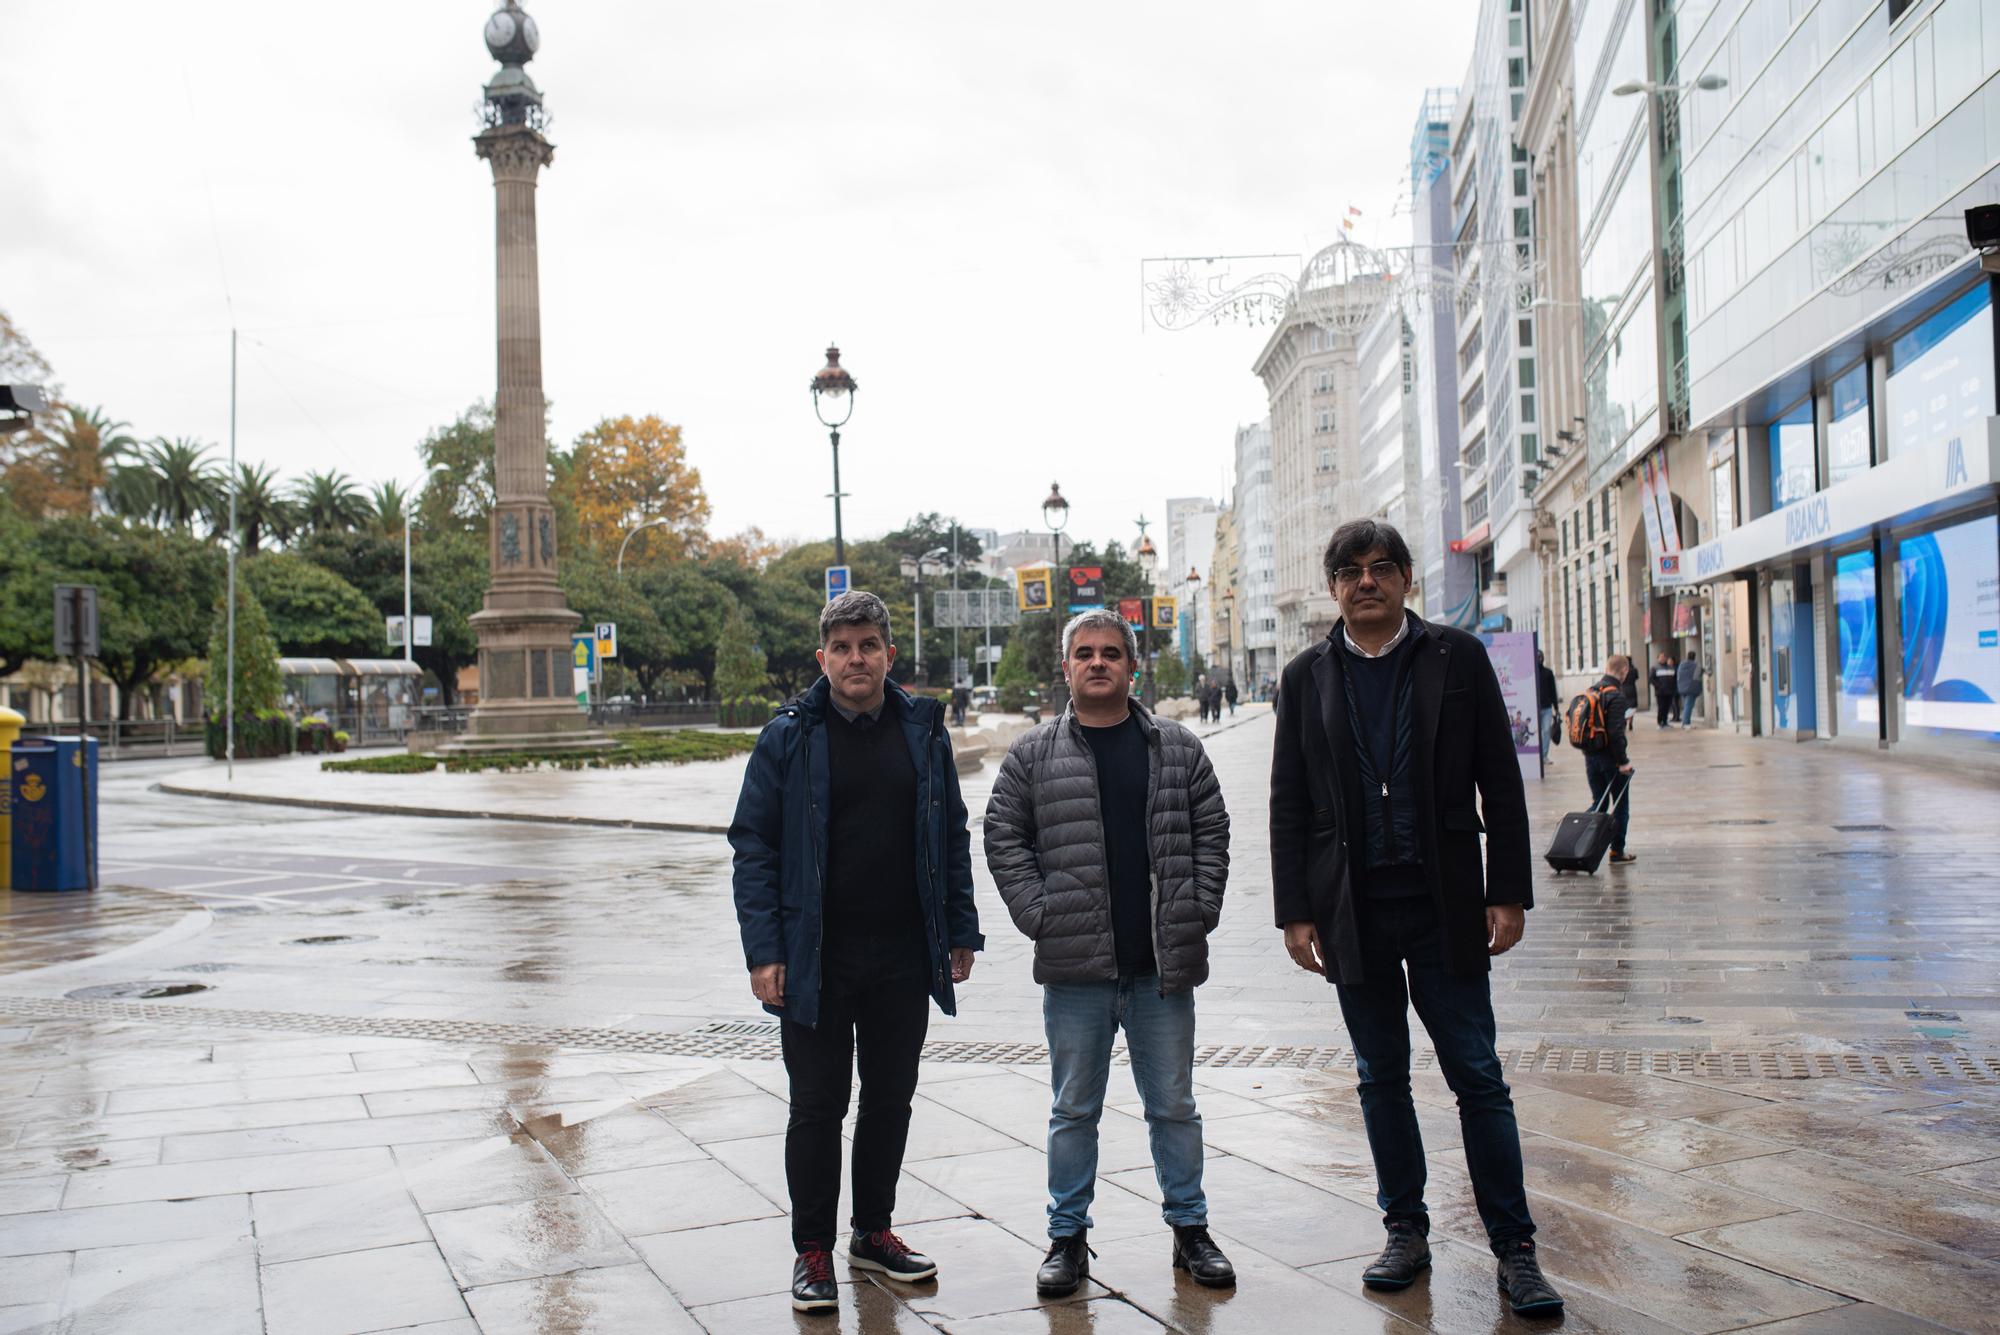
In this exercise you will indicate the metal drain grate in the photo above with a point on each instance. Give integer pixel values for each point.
(758, 1040)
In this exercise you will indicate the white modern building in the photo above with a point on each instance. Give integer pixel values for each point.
(1256, 562)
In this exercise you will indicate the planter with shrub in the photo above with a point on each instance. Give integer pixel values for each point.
(746, 712)
(268, 732)
(315, 736)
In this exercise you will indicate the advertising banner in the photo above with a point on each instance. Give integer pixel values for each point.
(1164, 610)
(1663, 498)
(1949, 580)
(1649, 512)
(1086, 585)
(1513, 655)
(1133, 610)
(1031, 589)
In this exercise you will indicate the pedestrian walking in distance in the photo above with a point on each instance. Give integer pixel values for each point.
(1606, 763)
(1666, 679)
(1546, 702)
(1687, 687)
(1107, 837)
(1229, 693)
(853, 881)
(1387, 732)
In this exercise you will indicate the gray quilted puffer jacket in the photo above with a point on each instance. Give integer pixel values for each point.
(1045, 847)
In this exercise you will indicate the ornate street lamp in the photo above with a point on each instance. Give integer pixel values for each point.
(1229, 634)
(1149, 562)
(833, 402)
(1055, 514)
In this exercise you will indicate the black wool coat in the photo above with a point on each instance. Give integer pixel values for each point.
(1464, 749)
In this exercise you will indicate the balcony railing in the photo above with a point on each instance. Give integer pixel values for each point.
(1677, 398)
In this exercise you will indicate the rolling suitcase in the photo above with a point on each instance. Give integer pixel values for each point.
(1583, 836)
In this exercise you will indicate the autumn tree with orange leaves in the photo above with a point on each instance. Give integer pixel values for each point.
(628, 471)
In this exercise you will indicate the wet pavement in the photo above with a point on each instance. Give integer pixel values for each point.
(298, 1069)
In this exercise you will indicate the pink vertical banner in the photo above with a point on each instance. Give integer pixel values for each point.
(1512, 653)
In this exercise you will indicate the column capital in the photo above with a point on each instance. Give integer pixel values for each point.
(517, 152)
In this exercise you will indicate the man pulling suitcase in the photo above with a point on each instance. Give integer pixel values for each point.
(1596, 727)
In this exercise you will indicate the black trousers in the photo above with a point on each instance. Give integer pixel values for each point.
(874, 1007)
(1666, 702)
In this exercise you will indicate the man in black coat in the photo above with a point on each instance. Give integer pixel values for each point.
(1386, 731)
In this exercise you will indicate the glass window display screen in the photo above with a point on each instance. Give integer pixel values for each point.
(1941, 374)
(1854, 609)
(1949, 581)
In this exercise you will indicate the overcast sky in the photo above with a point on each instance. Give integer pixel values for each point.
(960, 195)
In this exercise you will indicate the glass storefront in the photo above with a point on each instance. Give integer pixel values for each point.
(1941, 374)
(1793, 698)
(1859, 701)
(1948, 587)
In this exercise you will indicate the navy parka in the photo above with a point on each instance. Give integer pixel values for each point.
(779, 835)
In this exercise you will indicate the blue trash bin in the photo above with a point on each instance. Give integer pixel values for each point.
(53, 848)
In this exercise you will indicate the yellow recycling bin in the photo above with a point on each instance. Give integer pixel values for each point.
(11, 724)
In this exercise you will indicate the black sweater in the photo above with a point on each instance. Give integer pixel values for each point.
(871, 832)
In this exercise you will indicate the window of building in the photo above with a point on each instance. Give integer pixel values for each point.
(1526, 336)
(1793, 463)
(1847, 434)
(1722, 497)
(1527, 368)
(1590, 522)
(1941, 374)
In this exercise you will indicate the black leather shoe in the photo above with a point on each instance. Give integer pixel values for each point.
(885, 1253)
(1521, 1280)
(1065, 1267)
(1406, 1252)
(813, 1288)
(1196, 1253)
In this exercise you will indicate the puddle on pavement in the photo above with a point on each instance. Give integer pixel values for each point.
(202, 968)
(153, 991)
(325, 940)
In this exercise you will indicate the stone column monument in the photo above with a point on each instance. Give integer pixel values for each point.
(527, 686)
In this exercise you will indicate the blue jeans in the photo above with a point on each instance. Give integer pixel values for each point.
(1548, 728)
(1687, 709)
(1081, 1019)
(1457, 1010)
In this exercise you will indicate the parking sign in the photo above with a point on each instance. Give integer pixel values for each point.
(836, 581)
(607, 639)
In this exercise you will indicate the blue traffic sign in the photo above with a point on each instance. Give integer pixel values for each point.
(837, 578)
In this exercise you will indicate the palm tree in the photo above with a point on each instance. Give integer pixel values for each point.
(391, 505)
(329, 502)
(184, 485)
(83, 455)
(262, 510)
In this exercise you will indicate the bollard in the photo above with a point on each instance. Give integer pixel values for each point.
(11, 724)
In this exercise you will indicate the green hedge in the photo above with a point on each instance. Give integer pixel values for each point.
(268, 732)
(748, 711)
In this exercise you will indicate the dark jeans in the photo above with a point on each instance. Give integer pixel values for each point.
(874, 1003)
(1665, 706)
(1603, 773)
(1457, 1010)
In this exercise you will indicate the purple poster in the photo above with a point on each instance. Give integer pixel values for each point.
(1513, 655)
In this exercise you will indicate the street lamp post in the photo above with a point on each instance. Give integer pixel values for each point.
(1193, 621)
(1055, 514)
(915, 568)
(1228, 635)
(1149, 561)
(833, 403)
(409, 621)
(650, 523)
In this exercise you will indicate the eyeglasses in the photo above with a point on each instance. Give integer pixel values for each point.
(1380, 571)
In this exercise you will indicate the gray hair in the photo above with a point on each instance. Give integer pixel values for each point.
(856, 607)
(1101, 618)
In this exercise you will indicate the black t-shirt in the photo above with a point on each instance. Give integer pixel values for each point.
(871, 832)
(1124, 769)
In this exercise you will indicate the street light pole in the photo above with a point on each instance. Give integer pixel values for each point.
(833, 402)
(1055, 514)
(1149, 560)
(650, 523)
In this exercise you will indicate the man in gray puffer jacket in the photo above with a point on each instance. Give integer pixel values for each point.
(1108, 839)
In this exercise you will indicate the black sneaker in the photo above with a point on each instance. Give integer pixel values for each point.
(883, 1251)
(1065, 1267)
(813, 1289)
(1196, 1253)
(1528, 1293)
(1405, 1254)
